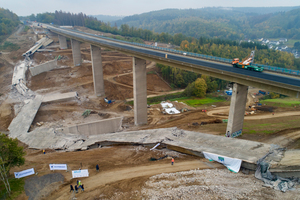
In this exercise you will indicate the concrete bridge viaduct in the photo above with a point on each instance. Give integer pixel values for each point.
(241, 78)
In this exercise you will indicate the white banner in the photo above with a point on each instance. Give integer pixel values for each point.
(233, 164)
(58, 166)
(80, 173)
(24, 173)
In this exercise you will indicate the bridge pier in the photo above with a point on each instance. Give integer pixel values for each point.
(97, 71)
(62, 42)
(76, 52)
(140, 91)
(237, 110)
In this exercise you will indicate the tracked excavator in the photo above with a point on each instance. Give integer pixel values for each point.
(247, 63)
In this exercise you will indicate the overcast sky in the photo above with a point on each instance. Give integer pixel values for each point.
(128, 7)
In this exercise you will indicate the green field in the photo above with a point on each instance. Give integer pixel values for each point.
(204, 101)
(281, 102)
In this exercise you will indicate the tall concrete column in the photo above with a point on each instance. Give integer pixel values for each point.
(76, 52)
(97, 71)
(237, 110)
(140, 91)
(62, 42)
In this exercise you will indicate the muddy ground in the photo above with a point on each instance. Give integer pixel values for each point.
(126, 172)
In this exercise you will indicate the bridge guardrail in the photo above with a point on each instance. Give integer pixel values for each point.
(225, 60)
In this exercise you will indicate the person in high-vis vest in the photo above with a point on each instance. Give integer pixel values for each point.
(172, 160)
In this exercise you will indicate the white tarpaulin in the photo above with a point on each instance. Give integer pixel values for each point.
(155, 146)
(233, 164)
(169, 108)
(24, 173)
(58, 166)
(80, 173)
(172, 110)
(166, 104)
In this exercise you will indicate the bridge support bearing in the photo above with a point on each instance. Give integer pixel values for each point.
(140, 91)
(76, 52)
(62, 42)
(237, 110)
(97, 71)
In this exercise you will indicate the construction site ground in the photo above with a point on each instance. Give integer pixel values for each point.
(126, 172)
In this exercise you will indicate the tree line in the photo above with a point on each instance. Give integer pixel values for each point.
(8, 22)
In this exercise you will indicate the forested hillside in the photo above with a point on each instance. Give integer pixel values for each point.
(229, 23)
(8, 22)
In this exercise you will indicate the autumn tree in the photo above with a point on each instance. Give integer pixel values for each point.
(200, 88)
(10, 155)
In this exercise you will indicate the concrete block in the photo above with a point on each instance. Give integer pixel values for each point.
(96, 128)
(97, 71)
(47, 66)
(140, 91)
(62, 42)
(76, 52)
(60, 97)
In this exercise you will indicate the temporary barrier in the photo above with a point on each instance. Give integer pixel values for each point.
(58, 166)
(24, 173)
(80, 173)
(233, 164)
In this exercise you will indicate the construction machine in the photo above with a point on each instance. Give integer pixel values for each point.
(247, 63)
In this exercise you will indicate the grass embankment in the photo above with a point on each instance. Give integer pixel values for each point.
(286, 102)
(16, 186)
(204, 101)
(191, 101)
(269, 126)
(9, 46)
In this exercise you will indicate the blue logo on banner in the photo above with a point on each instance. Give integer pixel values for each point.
(221, 159)
(237, 133)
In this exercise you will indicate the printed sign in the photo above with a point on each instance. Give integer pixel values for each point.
(233, 164)
(24, 173)
(58, 166)
(80, 173)
(236, 134)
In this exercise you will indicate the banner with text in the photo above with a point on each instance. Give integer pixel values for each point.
(233, 164)
(58, 166)
(24, 173)
(80, 173)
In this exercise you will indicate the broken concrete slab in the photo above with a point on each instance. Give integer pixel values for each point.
(45, 67)
(180, 140)
(60, 97)
(97, 127)
(19, 72)
(21, 123)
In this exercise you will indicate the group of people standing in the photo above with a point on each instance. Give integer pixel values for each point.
(79, 185)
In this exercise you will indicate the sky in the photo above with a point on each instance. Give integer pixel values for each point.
(128, 7)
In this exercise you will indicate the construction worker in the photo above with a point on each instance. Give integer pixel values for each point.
(44, 152)
(172, 160)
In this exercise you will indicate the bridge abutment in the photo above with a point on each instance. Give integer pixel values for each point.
(62, 42)
(76, 52)
(237, 110)
(140, 91)
(97, 71)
